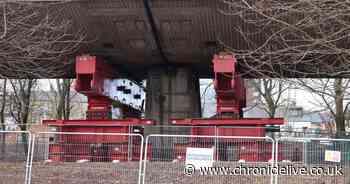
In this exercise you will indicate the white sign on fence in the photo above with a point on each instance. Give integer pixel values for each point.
(200, 157)
(332, 156)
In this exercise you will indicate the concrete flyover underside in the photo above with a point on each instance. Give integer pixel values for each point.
(135, 35)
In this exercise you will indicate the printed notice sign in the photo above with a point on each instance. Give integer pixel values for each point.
(200, 157)
(332, 156)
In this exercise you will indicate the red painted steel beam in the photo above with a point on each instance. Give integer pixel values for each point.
(228, 121)
(100, 123)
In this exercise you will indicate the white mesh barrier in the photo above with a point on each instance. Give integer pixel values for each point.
(313, 160)
(14, 157)
(86, 158)
(184, 159)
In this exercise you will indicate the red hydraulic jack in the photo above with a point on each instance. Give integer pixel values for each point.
(91, 73)
(231, 99)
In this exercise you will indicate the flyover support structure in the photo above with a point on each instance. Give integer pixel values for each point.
(172, 93)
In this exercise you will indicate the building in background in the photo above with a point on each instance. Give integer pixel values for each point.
(44, 106)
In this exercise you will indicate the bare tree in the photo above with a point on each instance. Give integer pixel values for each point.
(21, 101)
(3, 103)
(270, 94)
(36, 39)
(62, 98)
(296, 38)
(334, 95)
(21, 104)
(2, 114)
(291, 38)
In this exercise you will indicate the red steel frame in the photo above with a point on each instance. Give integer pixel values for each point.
(230, 95)
(91, 73)
(231, 99)
(229, 86)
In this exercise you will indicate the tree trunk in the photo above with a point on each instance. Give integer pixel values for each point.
(2, 119)
(67, 104)
(22, 92)
(339, 106)
(271, 106)
(63, 91)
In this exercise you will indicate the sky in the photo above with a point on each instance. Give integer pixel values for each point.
(44, 84)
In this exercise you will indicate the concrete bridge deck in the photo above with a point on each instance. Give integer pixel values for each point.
(135, 35)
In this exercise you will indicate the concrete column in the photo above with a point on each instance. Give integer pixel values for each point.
(172, 94)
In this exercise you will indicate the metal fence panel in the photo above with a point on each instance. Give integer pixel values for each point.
(319, 157)
(14, 156)
(86, 158)
(167, 156)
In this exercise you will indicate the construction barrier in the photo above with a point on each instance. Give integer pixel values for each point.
(86, 158)
(184, 159)
(14, 156)
(313, 160)
(96, 158)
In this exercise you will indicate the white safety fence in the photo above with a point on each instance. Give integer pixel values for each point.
(184, 159)
(14, 156)
(96, 158)
(312, 160)
(86, 158)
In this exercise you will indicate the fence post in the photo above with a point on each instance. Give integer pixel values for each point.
(31, 159)
(145, 160)
(28, 163)
(141, 160)
(276, 158)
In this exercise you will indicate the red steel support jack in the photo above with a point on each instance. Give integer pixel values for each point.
(231, 99)
(229, 87)
(91, 74)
